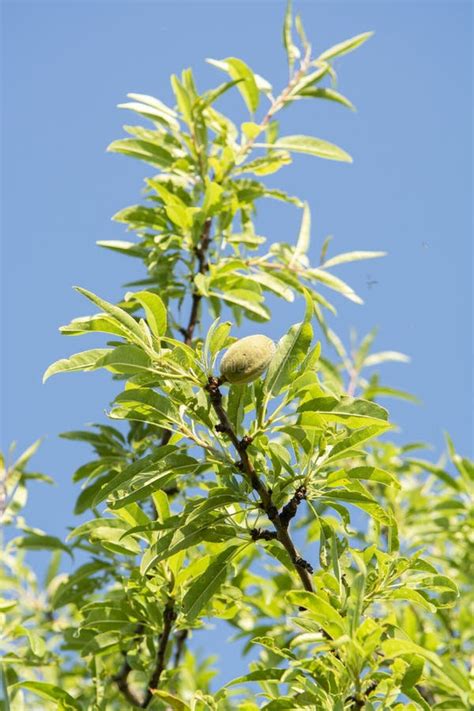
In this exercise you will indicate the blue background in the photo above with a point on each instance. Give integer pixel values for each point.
(67, 65)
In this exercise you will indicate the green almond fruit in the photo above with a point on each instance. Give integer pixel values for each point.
(247, 359)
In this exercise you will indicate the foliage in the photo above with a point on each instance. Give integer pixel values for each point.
(281, 505)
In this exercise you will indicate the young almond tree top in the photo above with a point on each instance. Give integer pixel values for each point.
(243, 480)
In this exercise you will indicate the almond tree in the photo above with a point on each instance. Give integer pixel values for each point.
(269, 493)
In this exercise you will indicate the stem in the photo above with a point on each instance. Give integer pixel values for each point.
(201, 254)
(278, 103)
(121, 678)
(303, 568)
(169, 616)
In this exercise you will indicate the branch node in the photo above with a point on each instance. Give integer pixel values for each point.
(289, 510)
(258, 534)
(304, 565)
(245, 442)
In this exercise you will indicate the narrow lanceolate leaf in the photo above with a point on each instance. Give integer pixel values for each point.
(292, 50)
(41, 541)
(172, 702)
(86, 360)
(304, 236)
(348, 45)
(215, 340)
(320, 610)
(352, 257)
(353, 412)
(385, 356)
(346, 445)
(144, 405)
(153, 102)
(192, 534)
(334, 283)
(342, 476)
(127, 322)
(247, 85)
(155, 311)
(272, 283)
(326, 93)
(248, 300)
(129, 360)
(50, 692)
(291, 351)
(207, 584)
(99, 323)
(310, 145)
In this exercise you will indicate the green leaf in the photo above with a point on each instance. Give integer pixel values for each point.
(292, 50)
(326, 93)
(85, 360)
(128, 325)
(353, 413)
(333, 282)
(406, 593)
(365, 473)
(344, 446)
(99, 323)
(290, 352)
(215, 340)
(41, 541)
(265, 165)
(399, 647)
(366, 503)
(304, 236)
(247, 85)
(272, 674)
(50, 692)
(171, 701)
(348, 45)
(248, 300)
(183, 538)
(4, 687)
(147, 151)
(209, 583)
(126, 359)
(310, 145)
(155, 310)
(320, 610)
(352, 257)
(144, 405)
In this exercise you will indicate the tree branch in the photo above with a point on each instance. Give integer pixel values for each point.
(302, 567)
(121, 678)
(201, 254)
(169, 616)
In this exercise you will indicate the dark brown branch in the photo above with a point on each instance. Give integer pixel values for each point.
(289, 510)
(121, 678)
(201, 254)
(169, 616)
(262, 535)
(302, 567)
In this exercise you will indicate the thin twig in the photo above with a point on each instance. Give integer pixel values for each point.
(169, 616)
(201, 254)
(121, 678)
(302, 567)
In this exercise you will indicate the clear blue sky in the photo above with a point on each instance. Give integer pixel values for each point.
(67, 65)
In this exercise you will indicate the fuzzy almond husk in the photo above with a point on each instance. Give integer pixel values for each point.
(247, 359)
